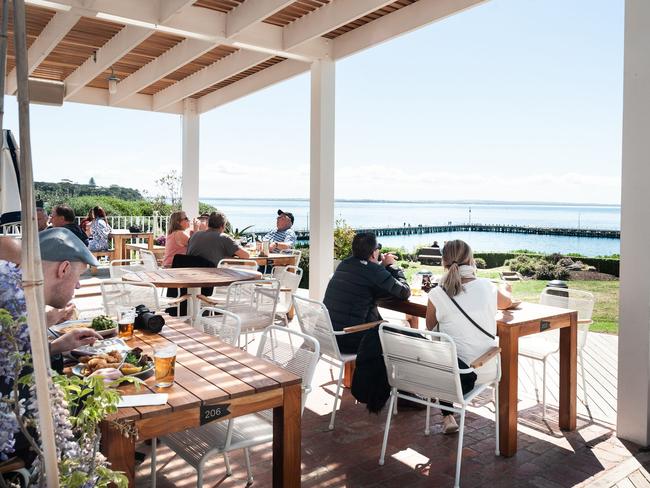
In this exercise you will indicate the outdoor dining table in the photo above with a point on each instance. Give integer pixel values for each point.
(121, 237)
(210, 376)
(276, 259)
(525, 319)
(193, 279)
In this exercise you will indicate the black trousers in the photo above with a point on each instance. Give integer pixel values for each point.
(467, 381)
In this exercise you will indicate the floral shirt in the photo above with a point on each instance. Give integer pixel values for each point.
(99, 232)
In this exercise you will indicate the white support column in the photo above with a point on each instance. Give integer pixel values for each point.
(321, 177)
(190, 189)
(634, 330)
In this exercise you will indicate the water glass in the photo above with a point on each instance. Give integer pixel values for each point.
(125, 322)
(164, 359)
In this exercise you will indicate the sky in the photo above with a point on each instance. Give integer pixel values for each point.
(512, 100)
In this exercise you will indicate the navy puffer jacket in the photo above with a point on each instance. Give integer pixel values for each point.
(352, 294)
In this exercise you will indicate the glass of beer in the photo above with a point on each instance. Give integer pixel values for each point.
(164, 358)
(416, 285)
(125, 320)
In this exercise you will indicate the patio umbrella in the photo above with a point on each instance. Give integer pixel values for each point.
(9, 181)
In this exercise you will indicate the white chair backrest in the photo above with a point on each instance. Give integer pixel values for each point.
(578, 300)
(254, 297)
(419, 364)
(298, 254)
(222, 324)
(232, 263)
(314, 320)
(288, 276)
(149, 259)
(117, 293)
(292, 350)
(120, 267)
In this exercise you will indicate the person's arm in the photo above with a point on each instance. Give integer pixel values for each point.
(74, 339)
(242, 253)
(289, 241)
(431, 319)
(181, 238)
(504, 297)
(392, 282)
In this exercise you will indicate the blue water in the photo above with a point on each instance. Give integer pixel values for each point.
(262, 213)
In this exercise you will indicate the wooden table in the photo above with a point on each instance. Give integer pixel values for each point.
(209, 372)
(276, 259)
(120, 237)
(526, 319)
(193, 279)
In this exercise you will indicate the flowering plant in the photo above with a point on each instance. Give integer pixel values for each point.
(160, 240)
(77, 435)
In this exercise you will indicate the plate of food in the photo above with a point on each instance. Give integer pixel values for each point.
(102, 324)
(136, 363)
(91, 363)
(103, 347)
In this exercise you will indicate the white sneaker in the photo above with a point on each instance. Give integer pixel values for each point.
(449, 425)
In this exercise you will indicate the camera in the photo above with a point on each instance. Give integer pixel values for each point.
(145, 319)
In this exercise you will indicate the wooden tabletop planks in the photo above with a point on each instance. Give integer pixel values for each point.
(191, 277)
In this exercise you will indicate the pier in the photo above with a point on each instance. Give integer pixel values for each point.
(303, 235)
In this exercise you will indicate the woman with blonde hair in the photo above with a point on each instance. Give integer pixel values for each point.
(464, 307)
(177, 237)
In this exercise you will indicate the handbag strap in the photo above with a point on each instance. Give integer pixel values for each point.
(469, 318)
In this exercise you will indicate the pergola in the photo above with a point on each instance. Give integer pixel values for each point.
(191, 56)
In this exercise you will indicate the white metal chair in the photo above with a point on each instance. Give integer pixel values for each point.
(149, 260)
(289, 278)
(243, 264)
(116, 293)
(314, 320)
(119, 267)
(542, 346)
(254, 302)
(298, 254)
(428, 367)
(196, 446)
(221, 323)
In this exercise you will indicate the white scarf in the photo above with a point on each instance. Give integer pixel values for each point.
(467, 271)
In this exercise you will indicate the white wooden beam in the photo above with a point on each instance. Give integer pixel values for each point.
(208, 76)
(633, 406)
(55, 30)
(406, 19)
(190, 174)
(181, 54)
(169, 8)
(265, 78)
(321, 177)
(327, 18)
(251, 12)
(121, 43)
(139, 101)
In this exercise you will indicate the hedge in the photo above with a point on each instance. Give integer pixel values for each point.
(603, 265)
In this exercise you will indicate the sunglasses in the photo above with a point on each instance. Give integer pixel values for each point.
(378, 246)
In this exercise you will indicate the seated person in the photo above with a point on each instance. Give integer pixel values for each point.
(100, 231)
(479, 299)
(203, 221)
(284, 236)
(212, 244)
(177, 237)
(41, 218)
(63, 216)
(356, 285)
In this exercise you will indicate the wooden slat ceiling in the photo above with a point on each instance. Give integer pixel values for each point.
(366, 19)
(198, 64)
(295, 11)
(37, 19)
(224, 6)
(147, 51)
(240, 76)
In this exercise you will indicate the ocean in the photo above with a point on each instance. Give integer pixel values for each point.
(261, 214)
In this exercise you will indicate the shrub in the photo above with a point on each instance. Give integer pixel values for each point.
(343, 235)
(565, 262)
(480, 263)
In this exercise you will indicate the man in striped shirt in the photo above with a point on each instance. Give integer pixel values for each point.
(283, 237)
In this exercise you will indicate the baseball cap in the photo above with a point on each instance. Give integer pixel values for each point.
(59, 244)
(288, 214)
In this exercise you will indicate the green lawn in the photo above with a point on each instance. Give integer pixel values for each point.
(605, 292)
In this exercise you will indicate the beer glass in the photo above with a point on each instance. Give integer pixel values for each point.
(125, 320)
(164, 359)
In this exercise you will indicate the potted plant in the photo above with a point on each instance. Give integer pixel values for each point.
(237, 234)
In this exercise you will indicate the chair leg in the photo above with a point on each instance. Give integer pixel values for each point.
(533, 361)
(226, 461)
(154, 450)
(336, 397)
(584, 378)
(389, 413)
(544, 389)
(496, 418)
(427, 424)
(459, 454)
(247, 460)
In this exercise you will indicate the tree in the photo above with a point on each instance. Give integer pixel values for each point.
(92, 181)
(170, 184)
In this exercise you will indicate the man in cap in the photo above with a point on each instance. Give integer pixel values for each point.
(284, 236)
